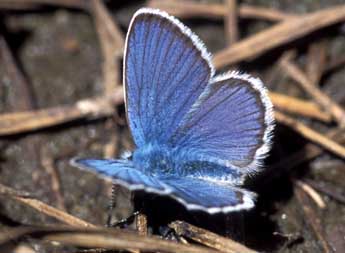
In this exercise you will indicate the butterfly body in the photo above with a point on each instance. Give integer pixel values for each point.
(157, 160)
(163, 162)
(197, 135)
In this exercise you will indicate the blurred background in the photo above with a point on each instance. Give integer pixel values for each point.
(61, 97)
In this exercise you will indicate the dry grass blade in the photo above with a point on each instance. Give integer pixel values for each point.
(112, 43)
(15, 123)
(49, 210)
(316, 61)
(321, 98)
(141, 223)
(102, 238)
(311, 134)
(298, 106)
(187, 9)
(48, 163)
(231, 24)
(80, 4)
(208, 238)
(247, 11)
(312, 219)
(183, 8)
(5, 190)
(312, 193)
(308, 152)
(328, 189)
(335, 63)
(278, 35)
(53, 212)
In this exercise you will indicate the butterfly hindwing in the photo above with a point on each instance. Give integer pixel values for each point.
(230, 124)
(166, 68)
(193, 193)
(122, 172)
(212, 197)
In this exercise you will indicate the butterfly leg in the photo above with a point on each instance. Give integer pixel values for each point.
(125, 222)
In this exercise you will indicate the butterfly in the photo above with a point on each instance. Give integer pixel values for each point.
(197, 135)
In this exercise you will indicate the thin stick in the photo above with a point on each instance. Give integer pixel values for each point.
(46, 209)
(269, 14)
(48, 164)
(230, 22)
(208, 238)
(112, 43)
(298, 106)
(312, 193)
(5, 190)
(335, 63)
(14, 123)
(328, 189)
(188, 9)
(101, 238)
(80, 4)
(141, 223)
(311, 134)
(320, 97)
(110, 149)
(308, 152)
(278, 35)
(316, 61)
(312, 219)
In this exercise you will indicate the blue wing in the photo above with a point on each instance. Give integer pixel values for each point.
(230, 124)
(195, 192)
(124, 173)
(212, 197)
(166, 68)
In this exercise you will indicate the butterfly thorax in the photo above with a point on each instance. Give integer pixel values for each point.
(155, 160)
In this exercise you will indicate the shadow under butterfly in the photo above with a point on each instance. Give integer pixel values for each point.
(197, 135)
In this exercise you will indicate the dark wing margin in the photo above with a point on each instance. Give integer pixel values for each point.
(231, 123)
(166, 68)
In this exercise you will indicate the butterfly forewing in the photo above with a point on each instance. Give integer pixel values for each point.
(165, 70)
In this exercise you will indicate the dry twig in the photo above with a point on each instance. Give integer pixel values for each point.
(14, 123)
(278, 35)
(208, 238)
(48, 164)
(311, 134)
(112, 43)
(44, 208)
(29, 4)
(312, 219)
(141, 223)
(298, 106)
(328, 189)
(316, 62)
(188, 9)
(102, 238)
(320, 97)
(312, 193)
(231, 24)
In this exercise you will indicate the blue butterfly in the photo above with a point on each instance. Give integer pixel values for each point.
(197, 135)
